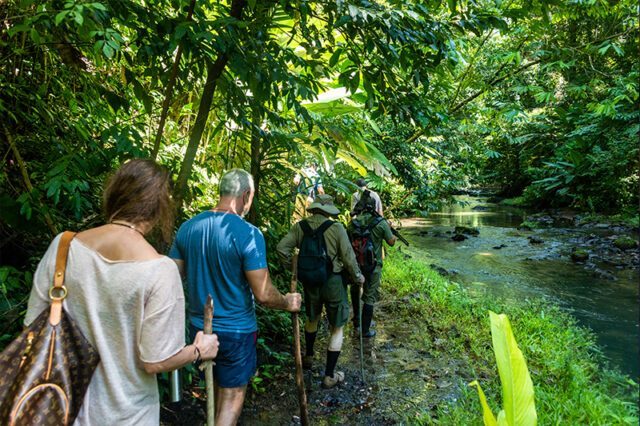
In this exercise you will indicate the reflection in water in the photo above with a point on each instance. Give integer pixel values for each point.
(522, 270)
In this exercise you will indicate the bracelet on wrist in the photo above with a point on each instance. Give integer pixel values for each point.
(197, 353)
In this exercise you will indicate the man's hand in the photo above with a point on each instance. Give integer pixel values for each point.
(207, 344)
(267, 295)
(294, 300)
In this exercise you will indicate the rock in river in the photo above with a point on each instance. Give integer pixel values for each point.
(535, 240)
(459, 237)
(579, 255)
(625, 243)
(466, 230)
(439, 269)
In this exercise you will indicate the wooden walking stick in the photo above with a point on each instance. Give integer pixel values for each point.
(361, 341)
(302, 396)
(208, 365)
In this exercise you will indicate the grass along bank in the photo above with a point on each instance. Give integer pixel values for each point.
(566, 366)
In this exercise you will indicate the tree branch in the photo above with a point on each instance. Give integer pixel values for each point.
(492, 83)
(168, 93)
(463, 78)
(25, 177)
(214, 71)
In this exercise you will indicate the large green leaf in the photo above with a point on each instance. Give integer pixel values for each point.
(517, 387)
(332, 109)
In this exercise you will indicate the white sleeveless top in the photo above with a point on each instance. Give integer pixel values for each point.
(130, 311)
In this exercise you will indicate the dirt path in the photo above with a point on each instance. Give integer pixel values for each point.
(407, 376)
(402, 380)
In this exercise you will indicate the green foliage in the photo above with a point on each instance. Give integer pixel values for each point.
(562, 130)
(516, 202)
(13, 300)
(517, 387)
(429, 169)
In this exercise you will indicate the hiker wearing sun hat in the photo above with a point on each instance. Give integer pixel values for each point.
(325, 252)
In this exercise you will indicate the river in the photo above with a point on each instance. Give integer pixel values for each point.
(602, 297)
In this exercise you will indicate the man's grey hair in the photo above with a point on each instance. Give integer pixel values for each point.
(235, 182)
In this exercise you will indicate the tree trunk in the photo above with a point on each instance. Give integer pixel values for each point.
(26, 180)
(256, 159)
(168, 93)
(214, 71)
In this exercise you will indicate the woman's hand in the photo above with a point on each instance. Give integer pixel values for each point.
(203, 348)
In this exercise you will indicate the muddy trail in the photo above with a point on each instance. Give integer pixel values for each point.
(403, 379)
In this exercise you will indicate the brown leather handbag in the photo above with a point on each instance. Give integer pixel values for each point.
(45, 372)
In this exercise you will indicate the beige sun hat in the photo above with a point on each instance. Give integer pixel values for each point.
(324, 202)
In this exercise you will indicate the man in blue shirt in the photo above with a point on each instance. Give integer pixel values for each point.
(223, 255)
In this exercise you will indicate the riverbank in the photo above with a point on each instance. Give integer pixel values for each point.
(564, 361)
(433, 339)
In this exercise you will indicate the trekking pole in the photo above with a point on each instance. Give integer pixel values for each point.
(302, 396)
(361, 340)
(208, 365)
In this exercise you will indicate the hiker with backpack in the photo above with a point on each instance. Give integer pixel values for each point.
(362, 187)
(367, 231)
(325, 254)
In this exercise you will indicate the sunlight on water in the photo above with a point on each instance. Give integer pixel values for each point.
(502, 262)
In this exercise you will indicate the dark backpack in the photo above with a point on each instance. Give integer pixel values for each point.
(314, 263)
(362, 244)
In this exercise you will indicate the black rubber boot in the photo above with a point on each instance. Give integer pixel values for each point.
(355, 304)
(310, 340)
(367, 316)
(307, 359)
(332, 360)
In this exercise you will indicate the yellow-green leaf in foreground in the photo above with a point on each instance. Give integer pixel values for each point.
(517, 387)
(487, 415)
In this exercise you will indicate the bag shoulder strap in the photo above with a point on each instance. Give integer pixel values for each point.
(375, 222)
(58, 292)
(306, 228)
(308, 231)
(325, 225)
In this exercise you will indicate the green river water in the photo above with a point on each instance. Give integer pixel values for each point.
(606, 302)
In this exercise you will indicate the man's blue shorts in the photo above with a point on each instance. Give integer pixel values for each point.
(236, 362)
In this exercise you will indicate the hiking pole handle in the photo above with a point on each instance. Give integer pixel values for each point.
(294, 273)
(395, 232)
(297, 354)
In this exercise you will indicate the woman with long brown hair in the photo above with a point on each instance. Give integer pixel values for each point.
(126, 298)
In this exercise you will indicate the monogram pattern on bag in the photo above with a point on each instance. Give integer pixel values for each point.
(66, 364)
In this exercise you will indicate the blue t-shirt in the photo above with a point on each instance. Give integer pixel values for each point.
(217, 248)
